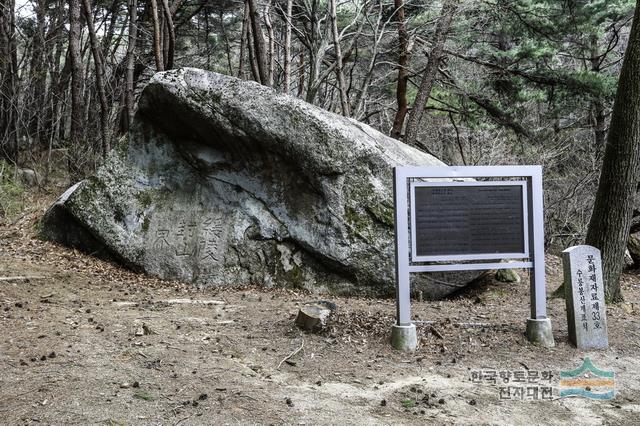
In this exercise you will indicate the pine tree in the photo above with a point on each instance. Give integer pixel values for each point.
(611, 218)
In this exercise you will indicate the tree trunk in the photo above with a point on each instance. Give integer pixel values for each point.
(114, 14)
(361, 101)
(77, 116)
(272, 43)
(260, 55)
(97, 61)
(59, 77)
(612, 212)
(251, 51)
(403, 72)
(9, 84)
(207, 31)
(301, 75)
(157, 45)
(227, 48)
(243, 41)
(287, 48)
(344, 100)
(442, 28)
(131, 48)
(36, 103)
(599, 118)
(172, 35)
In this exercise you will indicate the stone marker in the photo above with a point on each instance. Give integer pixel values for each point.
(584, 294)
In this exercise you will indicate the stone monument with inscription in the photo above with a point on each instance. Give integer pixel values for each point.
(584, 294)
(226, 182)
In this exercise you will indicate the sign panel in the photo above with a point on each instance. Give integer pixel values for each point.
(469, 220)
(446, 221)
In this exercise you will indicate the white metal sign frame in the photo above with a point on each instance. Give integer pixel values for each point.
(532, 258)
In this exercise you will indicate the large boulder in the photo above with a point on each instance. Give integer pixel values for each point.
(226, 182)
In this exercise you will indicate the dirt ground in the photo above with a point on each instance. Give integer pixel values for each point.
(86, 342)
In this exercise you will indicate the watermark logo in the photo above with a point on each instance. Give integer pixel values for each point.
(587, 381)
(517, 384)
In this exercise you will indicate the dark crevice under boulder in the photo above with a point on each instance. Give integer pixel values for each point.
(226, 182)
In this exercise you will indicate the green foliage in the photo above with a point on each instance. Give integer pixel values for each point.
(11, 192)
(559, 57)
(408, 403)
(526, 94)
(549, 37)
(143, 395)
(425, 16)
(145, 198)
(601, 84)
(345, 14)
(441, 98)
(499, 293)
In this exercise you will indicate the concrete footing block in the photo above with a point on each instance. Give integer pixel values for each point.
(404, 337)
(539, 332)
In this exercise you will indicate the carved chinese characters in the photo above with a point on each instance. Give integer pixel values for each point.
(584, 294)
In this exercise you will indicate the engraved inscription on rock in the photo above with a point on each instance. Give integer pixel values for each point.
(474, 219)
(176, 239)
(584, 294)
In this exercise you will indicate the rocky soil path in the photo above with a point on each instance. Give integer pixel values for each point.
(83, 341)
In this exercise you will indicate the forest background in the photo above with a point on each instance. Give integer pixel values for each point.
(471, 82)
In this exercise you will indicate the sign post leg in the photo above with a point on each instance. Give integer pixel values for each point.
(538, 326)
(403, 334)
